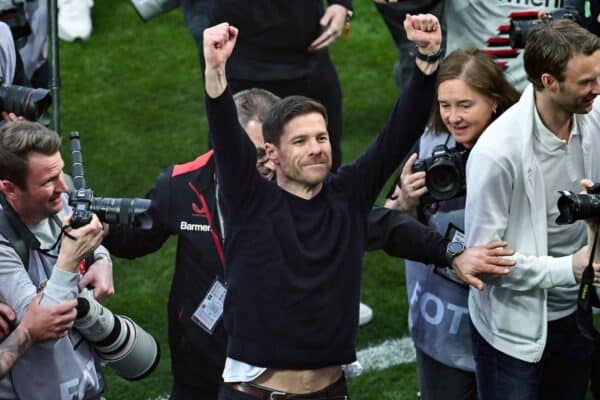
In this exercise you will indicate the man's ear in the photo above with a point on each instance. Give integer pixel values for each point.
(8, 188)
(549, 82)
(272, 152)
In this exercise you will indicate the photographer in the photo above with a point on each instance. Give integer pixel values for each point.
(526, 340)
(471, 92)
(33, 202)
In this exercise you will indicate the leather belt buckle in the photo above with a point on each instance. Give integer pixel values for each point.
(277, 395)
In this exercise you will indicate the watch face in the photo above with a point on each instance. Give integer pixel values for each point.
(455, 247)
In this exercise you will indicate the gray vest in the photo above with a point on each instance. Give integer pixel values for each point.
(64, 369)
(438, 317)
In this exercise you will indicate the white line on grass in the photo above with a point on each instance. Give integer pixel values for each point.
(387, 354)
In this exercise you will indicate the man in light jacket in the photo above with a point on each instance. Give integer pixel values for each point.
(526, 341)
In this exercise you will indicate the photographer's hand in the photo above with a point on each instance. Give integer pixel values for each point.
(489, 259)
(9, 117)
(7, 319)
(412, 187)
(78, 243)
(43, 323)
(99, 276)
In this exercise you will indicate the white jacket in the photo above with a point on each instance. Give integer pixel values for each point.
(509, 204)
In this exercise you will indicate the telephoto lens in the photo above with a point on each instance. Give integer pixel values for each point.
(26, 102)
(119, 342)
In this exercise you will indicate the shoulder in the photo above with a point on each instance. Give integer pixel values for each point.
(200, 163)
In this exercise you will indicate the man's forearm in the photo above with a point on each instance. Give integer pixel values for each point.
(215, 81)
(12, 348)
(400, 235)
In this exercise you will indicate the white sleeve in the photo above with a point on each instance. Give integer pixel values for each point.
(486, 218)
(17, 290)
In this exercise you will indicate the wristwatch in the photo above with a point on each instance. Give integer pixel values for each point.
(430, 58)
(453, 249)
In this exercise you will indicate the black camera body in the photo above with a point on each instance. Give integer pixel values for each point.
(521, 25)
(123, 211)
(573, 206)
(445, 170)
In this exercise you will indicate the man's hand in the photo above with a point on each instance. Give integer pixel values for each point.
(333, 25)
(76, 244)
(10, 117)
(424, 31)
(580, 262)
(43, 323)
(219, 41)
(488, 259)
(7, 320)
(100, 277)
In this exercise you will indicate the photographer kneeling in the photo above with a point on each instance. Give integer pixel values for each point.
(34, 200)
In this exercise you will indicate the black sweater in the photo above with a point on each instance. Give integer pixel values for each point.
(293, 265)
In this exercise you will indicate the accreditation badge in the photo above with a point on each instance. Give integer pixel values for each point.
(210, 310)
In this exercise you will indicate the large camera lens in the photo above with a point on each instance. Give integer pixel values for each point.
(26, 102)
(443, 179)
(573, 207)
(130, 212)
(127, 348)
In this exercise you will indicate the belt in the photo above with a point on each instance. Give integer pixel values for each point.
(335, 391)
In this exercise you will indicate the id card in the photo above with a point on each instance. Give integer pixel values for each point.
(210, 310)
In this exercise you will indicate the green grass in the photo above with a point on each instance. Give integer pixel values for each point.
(134, 93)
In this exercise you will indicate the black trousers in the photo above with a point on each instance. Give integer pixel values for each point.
(192, 392)
(320, 84)
(438, 381)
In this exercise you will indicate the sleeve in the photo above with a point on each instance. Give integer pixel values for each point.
(17, 290)
(235, 155)
(400, 235)
(128, 242)
(384, 154)
(486, 219)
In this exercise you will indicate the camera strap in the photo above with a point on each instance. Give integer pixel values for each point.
(587, 299)
(16, 233)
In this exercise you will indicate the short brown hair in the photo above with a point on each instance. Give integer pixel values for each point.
(253, 105)
(478, 70)
(17, 140)
(550, 46)
(284, 111)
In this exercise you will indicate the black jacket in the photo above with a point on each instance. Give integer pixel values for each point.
(183, 204)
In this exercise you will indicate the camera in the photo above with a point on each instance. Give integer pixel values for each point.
(445, 170)
(148, 9)
(118, 341)
(573, 207)
(123, 211)
(521, 23)
(27, 102)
